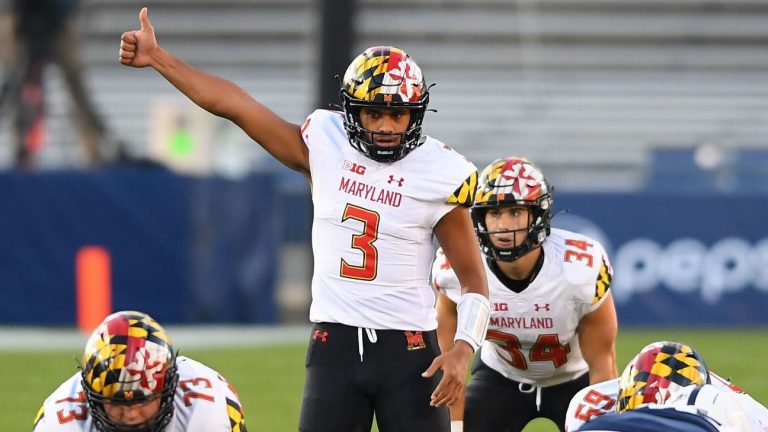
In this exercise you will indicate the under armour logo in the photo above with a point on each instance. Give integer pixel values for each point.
(392, 180)
(538, 307)
(323, 335)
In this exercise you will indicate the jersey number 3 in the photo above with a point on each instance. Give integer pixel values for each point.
(364, 243)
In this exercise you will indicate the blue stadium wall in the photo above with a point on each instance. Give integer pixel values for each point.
(679, 259)
(183, 249)
(205, 250)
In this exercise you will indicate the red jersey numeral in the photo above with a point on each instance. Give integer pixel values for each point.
(511, 344)
(598, 403)
(78, 412)
(546, 348)
(363, 242)
(570, 254)
(192, 390)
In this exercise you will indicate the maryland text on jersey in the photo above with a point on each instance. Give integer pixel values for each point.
(522, 322)
(372, 193)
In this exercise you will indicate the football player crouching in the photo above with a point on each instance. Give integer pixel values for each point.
(132, 380)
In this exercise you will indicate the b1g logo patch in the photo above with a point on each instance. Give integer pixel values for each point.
(353, 167)
(415, 340)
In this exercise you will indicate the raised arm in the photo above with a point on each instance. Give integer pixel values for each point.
(282, 139)
(597, 339)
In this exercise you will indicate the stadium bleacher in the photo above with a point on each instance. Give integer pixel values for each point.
(588, 89)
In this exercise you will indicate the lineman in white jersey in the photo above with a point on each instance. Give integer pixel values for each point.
(553, 322)
(682, 368)
(380, 190)
(132, 381)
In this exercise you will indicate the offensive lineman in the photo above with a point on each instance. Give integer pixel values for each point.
(132, 380)
(657, 374)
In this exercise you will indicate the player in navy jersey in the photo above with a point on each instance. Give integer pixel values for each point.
(652, 419)
(693, 408)
(553, 322)
(380, 191)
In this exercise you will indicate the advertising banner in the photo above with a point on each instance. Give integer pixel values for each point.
(679, 259)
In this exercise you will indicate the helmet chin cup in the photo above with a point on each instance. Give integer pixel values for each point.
(361, 139)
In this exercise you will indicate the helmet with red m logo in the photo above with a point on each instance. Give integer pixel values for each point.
(383, 77)
(129, 359)
(658, 372)
(510, 182)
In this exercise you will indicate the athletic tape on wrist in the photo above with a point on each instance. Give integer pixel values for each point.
(457, 426)
(474, 310)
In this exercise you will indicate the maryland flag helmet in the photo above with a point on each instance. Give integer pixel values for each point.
(383, 77)
(513, 181)
(658, 372)
(129, 359)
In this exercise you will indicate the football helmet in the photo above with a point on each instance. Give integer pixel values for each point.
(513, 181)
(129, 359)
(383, 77)
(658, 372)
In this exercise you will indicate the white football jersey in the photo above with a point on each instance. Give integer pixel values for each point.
(204, 402)
(532, 335)
(600, 398)
(372, 228)
(590, 402)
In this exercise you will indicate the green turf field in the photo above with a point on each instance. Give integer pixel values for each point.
(269, 379)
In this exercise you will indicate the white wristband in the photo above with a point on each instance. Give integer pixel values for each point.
(474, 310)
(457, 426)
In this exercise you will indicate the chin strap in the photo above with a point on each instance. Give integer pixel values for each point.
(474, 310)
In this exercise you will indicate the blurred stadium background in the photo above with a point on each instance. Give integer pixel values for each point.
(650, 118)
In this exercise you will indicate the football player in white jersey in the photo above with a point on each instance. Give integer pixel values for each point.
(380, 191)
(553, 322)
(658, 374)
(131, 380)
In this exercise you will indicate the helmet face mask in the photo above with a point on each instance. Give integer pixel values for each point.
(129, 360)
(384, 78)
(513, 182)
(658, 372)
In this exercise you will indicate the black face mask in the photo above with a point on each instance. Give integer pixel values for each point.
(360, 137)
